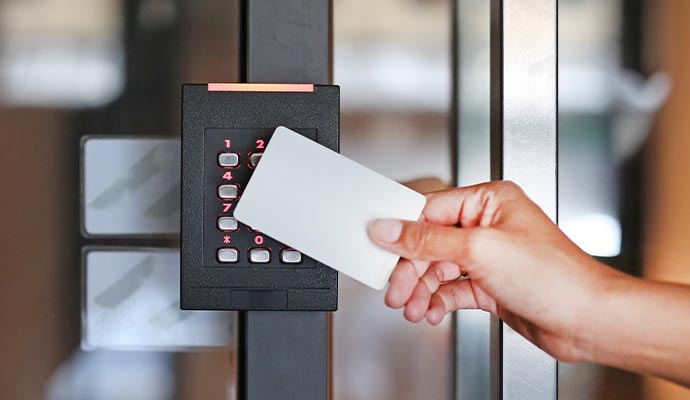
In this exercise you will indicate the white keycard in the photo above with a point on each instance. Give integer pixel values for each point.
(320, 203)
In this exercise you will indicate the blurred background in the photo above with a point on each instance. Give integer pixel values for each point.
(113, 68)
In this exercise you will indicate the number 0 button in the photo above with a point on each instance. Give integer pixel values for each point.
(259, 255)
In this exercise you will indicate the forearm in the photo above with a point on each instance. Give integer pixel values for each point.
(643, 326)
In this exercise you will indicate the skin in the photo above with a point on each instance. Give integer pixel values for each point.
(490, 247)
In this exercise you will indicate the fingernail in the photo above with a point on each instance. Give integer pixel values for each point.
(385, 230)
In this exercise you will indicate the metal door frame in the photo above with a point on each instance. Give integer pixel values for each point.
(285, 355)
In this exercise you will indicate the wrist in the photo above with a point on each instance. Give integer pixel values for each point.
(601, 325)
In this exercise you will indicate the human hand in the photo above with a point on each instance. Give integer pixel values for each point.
(519, 266)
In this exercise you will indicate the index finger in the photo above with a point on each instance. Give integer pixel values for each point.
(468, 206)
(461, 205)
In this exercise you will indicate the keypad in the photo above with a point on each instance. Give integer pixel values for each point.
(231, 156)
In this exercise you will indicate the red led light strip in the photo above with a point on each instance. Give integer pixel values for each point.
(260, 87)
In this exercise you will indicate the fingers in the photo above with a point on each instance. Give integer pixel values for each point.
(438, 273)
(415, 309)
(447, 207)
(450, 297)
(429, 296)
(424, 241)
(420, 285)
(403, 281)
(469, 206)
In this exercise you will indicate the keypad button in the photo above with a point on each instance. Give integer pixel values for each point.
(228, 159)
(227, 224)
(260, 255)
(290, 256)
(254, 159)
(228, 191)
(227, 255)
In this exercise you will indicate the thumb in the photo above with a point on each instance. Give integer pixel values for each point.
(424, 241)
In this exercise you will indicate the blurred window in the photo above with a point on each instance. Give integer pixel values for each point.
(392, 62)
(60, 53)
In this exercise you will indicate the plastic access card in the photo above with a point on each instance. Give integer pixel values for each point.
(320, 203)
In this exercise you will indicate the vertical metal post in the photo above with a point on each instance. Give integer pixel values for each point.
(470, 152)
(524, 127)
(285, 355)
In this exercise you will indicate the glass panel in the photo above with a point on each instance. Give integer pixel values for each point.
(589, 72)
(131, 301)
(112, 69)
(130, 186)
(393, 66)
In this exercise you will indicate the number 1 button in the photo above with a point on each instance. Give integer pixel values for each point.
(228, 160)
